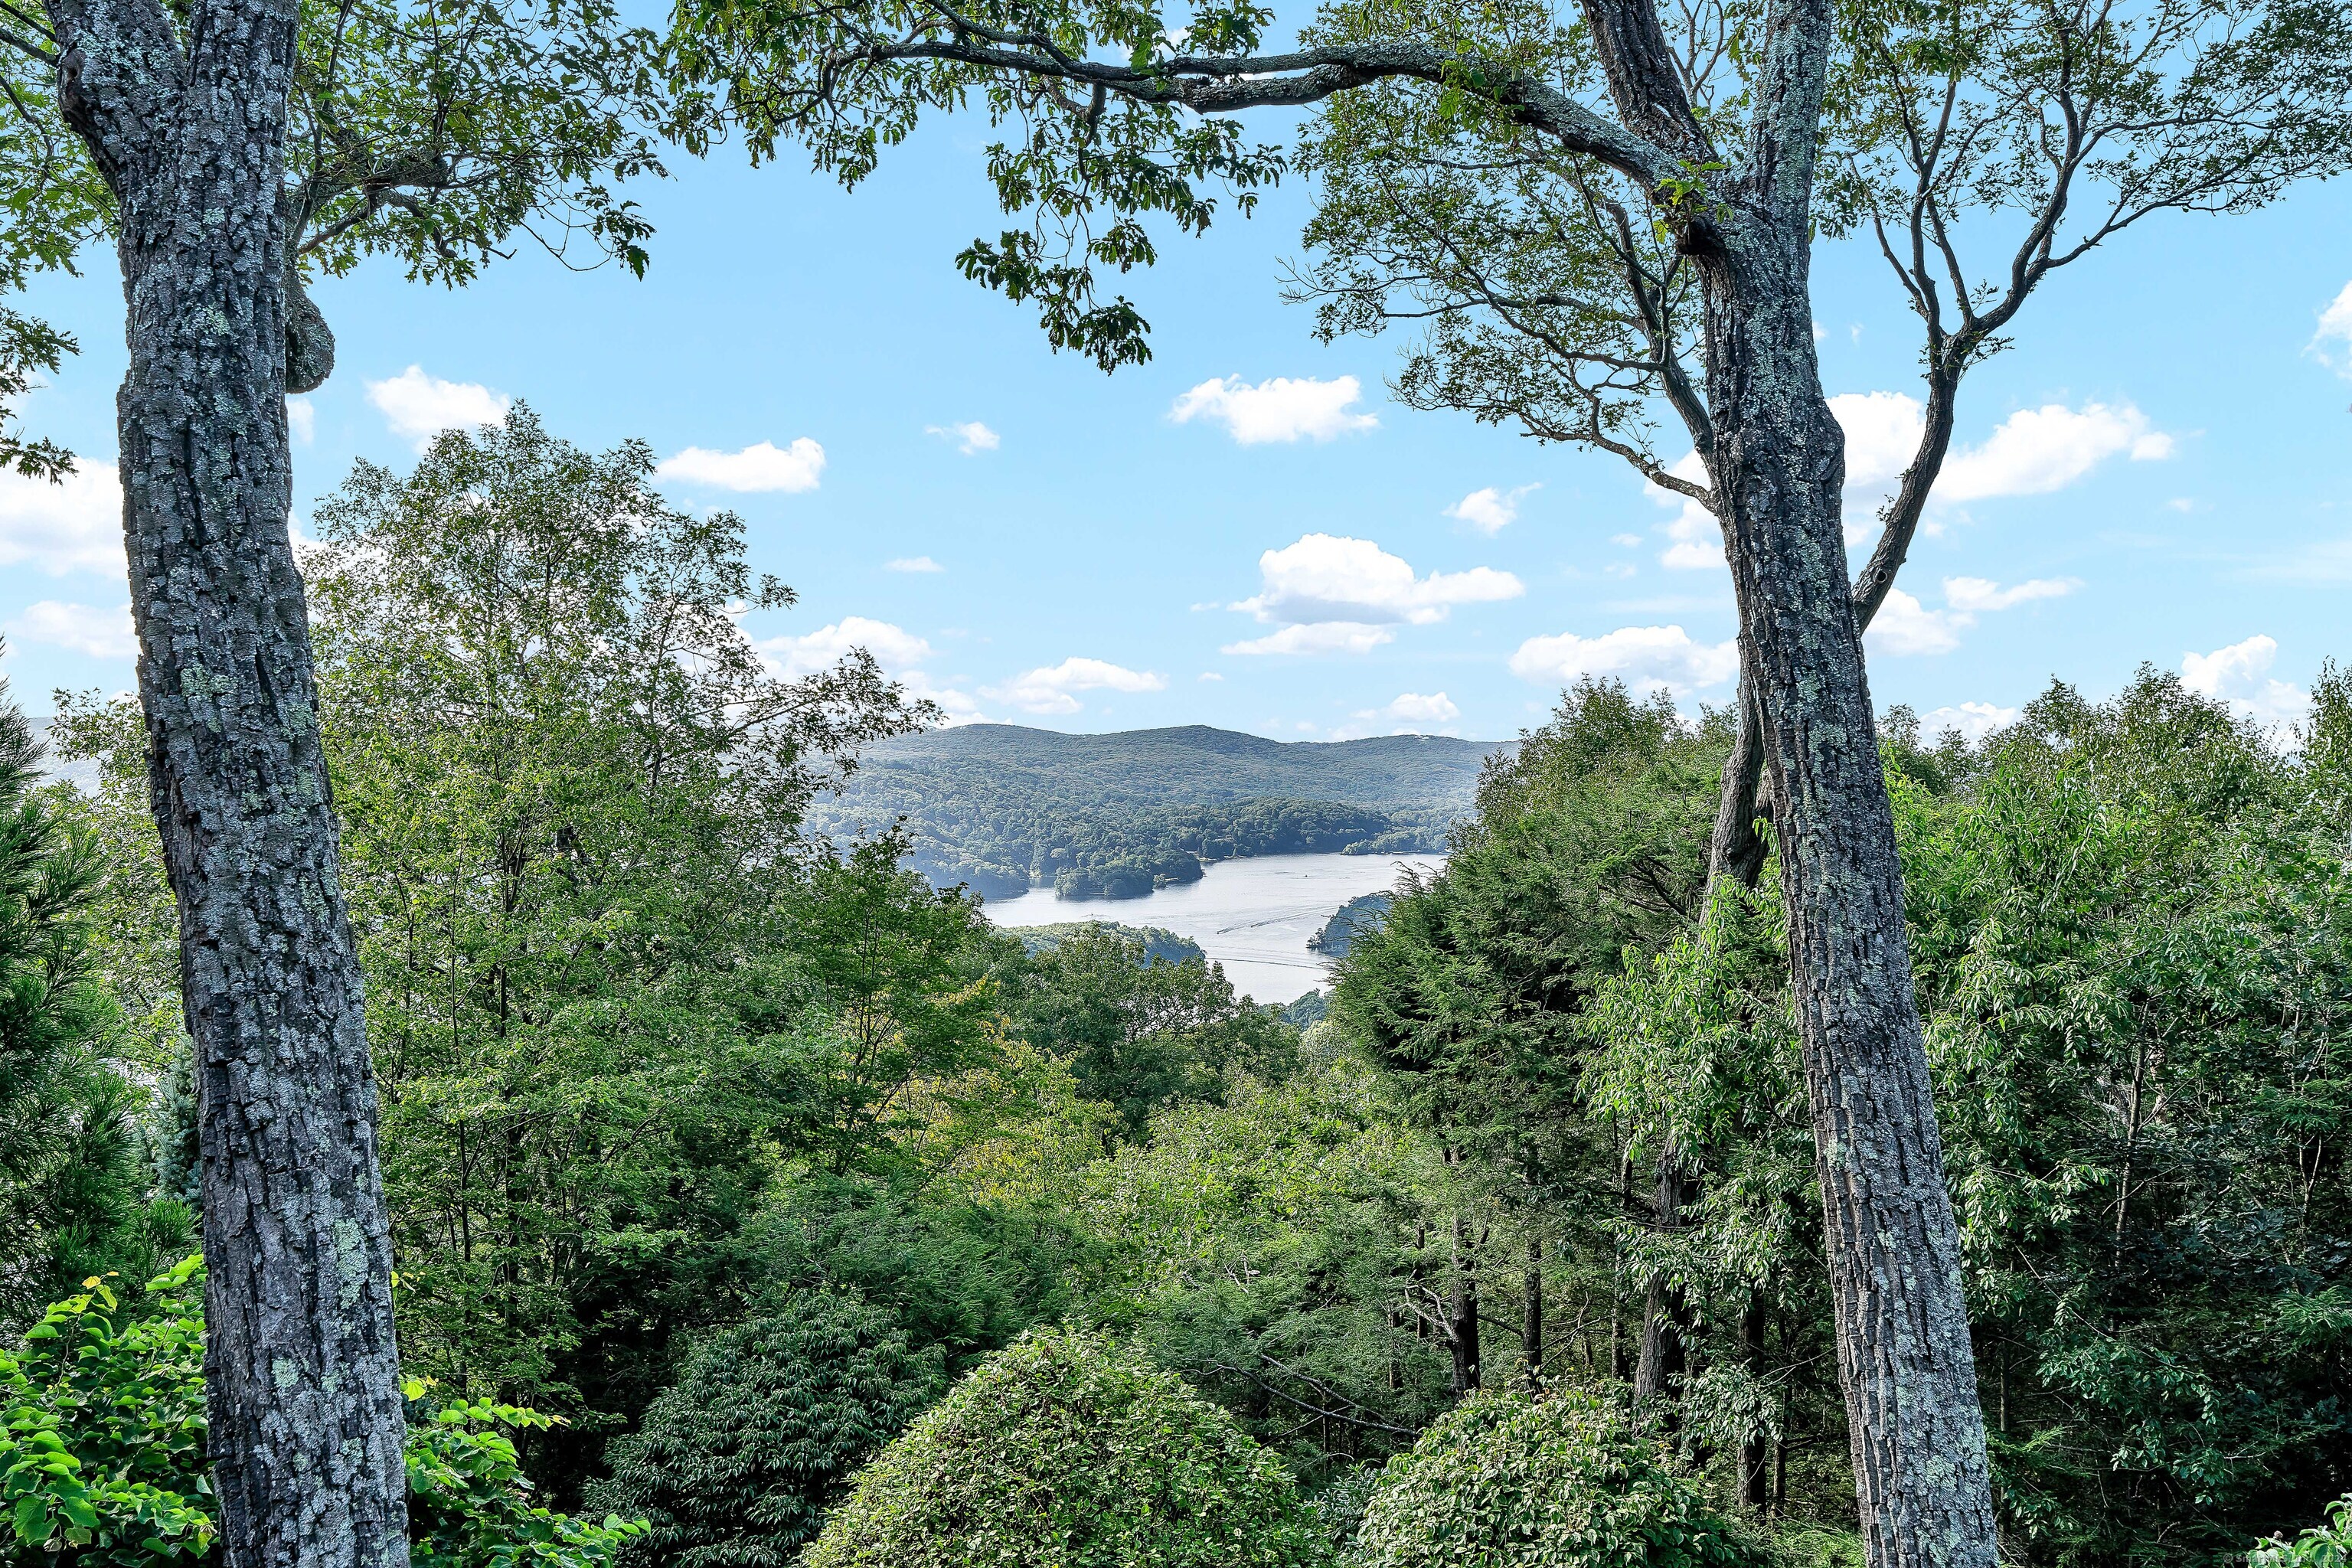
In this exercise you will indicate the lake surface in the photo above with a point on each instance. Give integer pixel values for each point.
(1254, 916)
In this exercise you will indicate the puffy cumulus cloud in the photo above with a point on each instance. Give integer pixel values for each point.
(2037, 450)
(1282, 409)
(971, 438)
(80, 628)
(418, 407)
(73, 526)
(1053, 688)
(1904, 626)
(1329, 578)
(1973, 719)
(759, 468)
(2332, 343)
(1316, 636)
(913, 563)
(301, 419)
(1490, 510)
(1645, 658)
(2240, 676)
(901, 654)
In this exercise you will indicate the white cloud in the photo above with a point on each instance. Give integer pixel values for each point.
(301, 419)
(1881, 434)
(1904, 626)
(1490, 510)
(2240, 676)
(1973, 719)
(80, 628)
(1208, 675)
(420, 406)
(1412, 707)
(899, 652)
(1316, 636)
(2332, 343)
(1050, 689)
(1629, 540)
(1328, 581)
(1282, 409)
(970, 436)
(2037, 450)
(1644, 657)
(73, 526)
(762, 467)
(913, 563)
(1978, 593)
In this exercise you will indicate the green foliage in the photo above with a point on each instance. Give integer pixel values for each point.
(2324, 1545)
(1005, 809)
(469, 1505)
(1549, 1479)
(1139, 1033)
(1063, 1452)
(104, 1451)
(736, 1464)
(72, 1182)
(103, 1455)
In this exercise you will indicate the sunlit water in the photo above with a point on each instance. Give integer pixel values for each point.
(1253, 916)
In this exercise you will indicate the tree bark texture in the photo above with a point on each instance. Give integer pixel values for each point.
(1893, 1240)
(1904, 1352)
(187, 123)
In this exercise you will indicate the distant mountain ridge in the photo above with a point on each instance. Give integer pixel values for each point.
(1004, 807)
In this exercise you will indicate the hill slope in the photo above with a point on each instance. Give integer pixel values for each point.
(1004, 807)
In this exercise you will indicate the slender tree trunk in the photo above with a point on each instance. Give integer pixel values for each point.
(1665, 1320)
(1462, 1311)
(1753, 1453)
(1904, 1353)
(302, 1377)
(1531, 1323)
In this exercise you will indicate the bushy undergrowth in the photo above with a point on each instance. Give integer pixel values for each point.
(735, 1466)
(102, 1456)
(1065, 1452)
(1517, 1478)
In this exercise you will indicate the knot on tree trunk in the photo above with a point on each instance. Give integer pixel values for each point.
(310, 345)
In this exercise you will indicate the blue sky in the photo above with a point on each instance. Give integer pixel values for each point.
(2160, 471)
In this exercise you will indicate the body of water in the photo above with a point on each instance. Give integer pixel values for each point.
(1253, 916)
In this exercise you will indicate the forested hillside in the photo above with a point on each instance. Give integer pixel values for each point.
(1002, 808)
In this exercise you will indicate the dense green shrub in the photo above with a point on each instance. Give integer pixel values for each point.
(102, 1453)
(1064, 1452)
(2327, 1545)
(735, 1466)
(1511, 1479)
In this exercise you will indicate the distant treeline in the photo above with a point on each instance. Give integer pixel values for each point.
(1000, 841)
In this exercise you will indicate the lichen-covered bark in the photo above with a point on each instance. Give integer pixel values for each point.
(188, 126)
(1893, 1240)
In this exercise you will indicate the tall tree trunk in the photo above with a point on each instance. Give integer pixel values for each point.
(302, 1373)
(1737, 851)
(1904, 1354)
(1755, 1452)
(1462, 1311)
(1666, 1319)
(1531, 1324)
